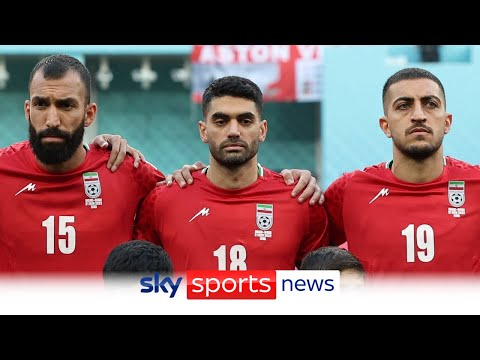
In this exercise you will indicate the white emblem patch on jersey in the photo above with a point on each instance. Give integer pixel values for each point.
(456, 197)
(264, 218)
(456, 193)
(93, 189)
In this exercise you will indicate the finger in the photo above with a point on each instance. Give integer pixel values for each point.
(309, 190)
(303, 176)
(100, 141)
(287, 176)
(121, 154)
(178, 177)
(186, 173)
(116, 143)
(138, 157)
(135, 154)
(113, 143)
(169, 180)
(199, 165)
(316, 197)
(163, 182)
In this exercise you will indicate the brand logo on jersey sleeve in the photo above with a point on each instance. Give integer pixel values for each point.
(29, 187)
(204, 212)
(383, 192)
(264, 218)
(456, 197)
(93, 189)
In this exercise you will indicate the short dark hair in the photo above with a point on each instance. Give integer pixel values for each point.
(331, 258)
(56, 66)
(411, 74)
(137, 257)
(235, 86)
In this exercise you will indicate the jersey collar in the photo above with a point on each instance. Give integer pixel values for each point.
(389, 164)
(259, 167)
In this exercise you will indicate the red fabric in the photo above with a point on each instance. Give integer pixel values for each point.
(203, 227)
(394, 226)
(48, 227)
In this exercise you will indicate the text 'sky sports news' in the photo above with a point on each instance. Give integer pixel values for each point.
(247, 285)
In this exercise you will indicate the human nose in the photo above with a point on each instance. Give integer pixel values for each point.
(418, 113)
(53, 120)
(233, 130)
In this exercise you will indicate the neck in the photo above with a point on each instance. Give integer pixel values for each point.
(233, 179)
(75, 161)
(418, 171)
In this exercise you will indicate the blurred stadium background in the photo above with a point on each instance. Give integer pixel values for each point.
(337, 133)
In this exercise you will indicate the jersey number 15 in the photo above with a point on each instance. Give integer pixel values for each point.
(66, 234)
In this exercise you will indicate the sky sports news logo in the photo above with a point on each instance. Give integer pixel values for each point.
(244, 285)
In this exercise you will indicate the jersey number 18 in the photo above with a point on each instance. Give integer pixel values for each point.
(237, 257)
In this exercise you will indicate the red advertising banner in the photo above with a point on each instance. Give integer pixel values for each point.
(284, 73)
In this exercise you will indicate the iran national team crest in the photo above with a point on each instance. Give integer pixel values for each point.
(93, 189)
(264, 221)
(264, 216)
(456, 193)
(456, 197)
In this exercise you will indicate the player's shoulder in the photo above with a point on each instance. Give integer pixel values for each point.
(273, 179)
(160, 190)
(97, 153)
(350, 177)
(457, 164)
(376, 168)
(371, 169)
(163, 196)
(97, 159)
(272, 183)
(270, 175)
(169, 193)
(15, 149)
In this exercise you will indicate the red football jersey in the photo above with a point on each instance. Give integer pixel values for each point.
(66, 222)
(395, 227)
(203, 227)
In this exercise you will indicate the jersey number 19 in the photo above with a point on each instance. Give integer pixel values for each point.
(423, 238)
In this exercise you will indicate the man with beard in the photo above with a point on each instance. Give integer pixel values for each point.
(237, 215)
(420, 212)
(63, 210)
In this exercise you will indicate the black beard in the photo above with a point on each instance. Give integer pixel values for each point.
(233, 161)
(58, 152)
(419, 153)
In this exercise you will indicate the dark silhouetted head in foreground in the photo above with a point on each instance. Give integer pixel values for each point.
(136, 258)
(351, 269)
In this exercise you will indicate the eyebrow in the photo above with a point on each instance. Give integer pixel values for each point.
(221, 115)
(61, 101)
(424, 98)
